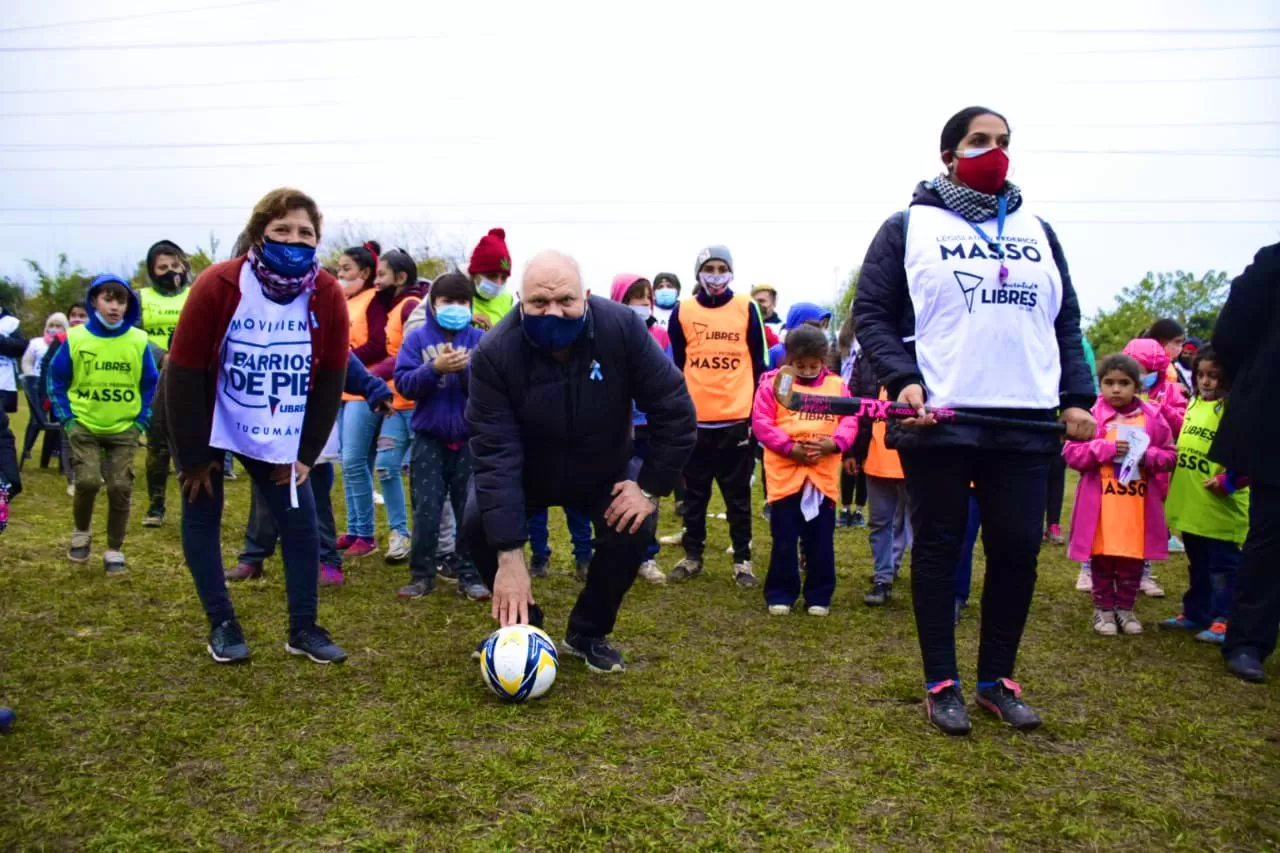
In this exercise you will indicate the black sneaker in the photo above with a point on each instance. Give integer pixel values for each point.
(689, 567)
(448, 568)
(879, 594)
(944, 706)
(1245, 664)
(473, 588)
(1003, 700)
(314, 643)
(417, 588)
(859, 520)
(845, 518)
(596, 651)
(113, 564)
(580, 570)
(540, 567)
(226, 643)
(79, 550)
(155, 516)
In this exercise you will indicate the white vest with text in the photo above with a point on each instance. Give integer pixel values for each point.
(979, 343)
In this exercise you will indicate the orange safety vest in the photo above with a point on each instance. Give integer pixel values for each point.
(1121, 530)
(881, 461)
(395, 340)
(358, 311)
(717, 362)
(783, 475)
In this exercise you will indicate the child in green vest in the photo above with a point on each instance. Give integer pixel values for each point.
(1210, 506)
(101, 385)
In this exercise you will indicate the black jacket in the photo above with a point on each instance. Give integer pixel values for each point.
(1247, 341)
(545, 433)
(884, 316)
(864, 384)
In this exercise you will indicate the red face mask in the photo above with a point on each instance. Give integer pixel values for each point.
(984, 172)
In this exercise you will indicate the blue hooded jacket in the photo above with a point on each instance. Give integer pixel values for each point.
(800, 313)
(441, 399)
(60, 370)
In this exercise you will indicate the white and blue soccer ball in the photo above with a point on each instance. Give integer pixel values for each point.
(519, 662)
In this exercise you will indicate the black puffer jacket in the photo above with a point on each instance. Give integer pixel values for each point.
(1247, 341)
(546, 433)
(885, 316)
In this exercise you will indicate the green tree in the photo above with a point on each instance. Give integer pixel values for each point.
(56, 289)
(13, 297)
(1193, 302)
(844, 299)
(199, 260)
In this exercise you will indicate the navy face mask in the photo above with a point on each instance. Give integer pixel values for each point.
(553, 333)
(290, 260)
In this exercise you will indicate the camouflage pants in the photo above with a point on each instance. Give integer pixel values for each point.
(99, 460)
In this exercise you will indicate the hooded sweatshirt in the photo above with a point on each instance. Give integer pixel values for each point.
(104, 379)
(622, 282)
(441, 399)
(1165, 395)
(800, 313)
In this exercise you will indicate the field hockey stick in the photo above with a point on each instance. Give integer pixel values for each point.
(786, 392)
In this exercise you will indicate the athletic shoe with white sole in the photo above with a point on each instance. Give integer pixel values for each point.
(1104, 622)
(779, 609)
(819, 610)
(1128, 621)
(314, 643)
(226, 643)
(650, 572)
(596, 651)
(398, 546)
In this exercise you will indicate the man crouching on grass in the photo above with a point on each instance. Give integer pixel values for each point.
(551, 388)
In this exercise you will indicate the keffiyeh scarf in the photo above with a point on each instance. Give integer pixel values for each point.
(972, 205)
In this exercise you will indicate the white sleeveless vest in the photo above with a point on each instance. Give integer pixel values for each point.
(263, 376)
(979, 343)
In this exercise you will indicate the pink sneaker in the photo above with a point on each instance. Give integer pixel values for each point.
(345, 541)
(1055, 535)
(330, 575)
(360, 547)
(4, 506)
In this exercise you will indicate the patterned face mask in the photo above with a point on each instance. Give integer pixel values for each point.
(715, 282)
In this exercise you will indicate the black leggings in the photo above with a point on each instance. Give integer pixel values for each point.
(1010, 489)
(1057, 486)
(853, 489)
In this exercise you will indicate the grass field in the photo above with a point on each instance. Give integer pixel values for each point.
(732, 730)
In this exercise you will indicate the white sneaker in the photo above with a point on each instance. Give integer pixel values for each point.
(649, 571)
(1150, 588)
(1084, 583)
(729, 550)
(1129, 623)
(672, 539)
(398, 546)
(378, 499)
(815, 610)
(1104, 622)
(71, 490)
(779, 610)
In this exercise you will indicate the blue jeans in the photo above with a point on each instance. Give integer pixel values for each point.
(299, 542)
(817, 537)
(260, 533)
(964, 569)
(1212, 565)
(579, 532)
(393, 447)
(359, 427)
(889, 527)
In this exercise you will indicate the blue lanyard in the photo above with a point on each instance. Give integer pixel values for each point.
(1002, 210)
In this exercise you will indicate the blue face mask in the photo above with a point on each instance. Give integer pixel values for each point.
(1149, 381)
(666, 297)
(105, 324)
(553, 333)
(291, 260)
(453, 317)
(488, 289)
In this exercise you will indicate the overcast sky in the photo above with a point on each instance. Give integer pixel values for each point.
(632, 138)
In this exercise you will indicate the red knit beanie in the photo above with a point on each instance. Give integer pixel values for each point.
(491, 256)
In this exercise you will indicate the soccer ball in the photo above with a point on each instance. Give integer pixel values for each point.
(519, 662)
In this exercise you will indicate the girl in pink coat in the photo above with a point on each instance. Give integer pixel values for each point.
(1118, 525)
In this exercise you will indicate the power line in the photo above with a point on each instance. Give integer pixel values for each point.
(1140, 125)
(196, 45)
(193, 109)
(1152, 31)
(1149, 80)
(623, 222)
(610, 202)
(147, 87)
(134, 17)
(134, 167)
(1178, 49)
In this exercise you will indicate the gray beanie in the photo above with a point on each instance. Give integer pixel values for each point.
(713, 253)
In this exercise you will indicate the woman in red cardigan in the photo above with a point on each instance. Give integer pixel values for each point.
(257, 366)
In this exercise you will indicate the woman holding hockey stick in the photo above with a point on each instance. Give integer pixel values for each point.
(965, 302)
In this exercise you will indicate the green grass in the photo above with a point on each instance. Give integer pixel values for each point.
(732, 729)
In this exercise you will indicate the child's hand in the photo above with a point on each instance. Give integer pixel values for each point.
(851, 466)
(450, 361)
(1215, 487)
(827, 446)
(799, 453)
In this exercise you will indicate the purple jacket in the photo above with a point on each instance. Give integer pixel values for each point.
(441, 398)
(1088, 457)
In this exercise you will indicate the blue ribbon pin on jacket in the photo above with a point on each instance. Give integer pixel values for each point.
(596, 375)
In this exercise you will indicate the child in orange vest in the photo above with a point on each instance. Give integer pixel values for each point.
(802, 465)
(1119, 524)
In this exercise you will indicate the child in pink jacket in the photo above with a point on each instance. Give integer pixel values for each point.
(1119, 525)
(802, 454)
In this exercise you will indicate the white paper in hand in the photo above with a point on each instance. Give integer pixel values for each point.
(1139, 441)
